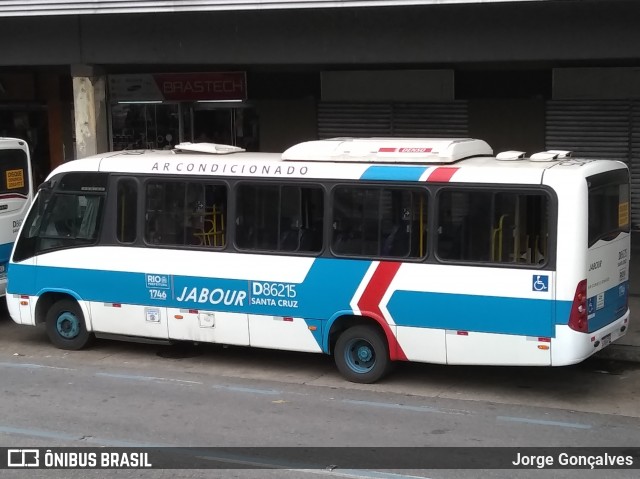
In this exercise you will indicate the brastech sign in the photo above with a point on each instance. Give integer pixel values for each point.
(178, 86)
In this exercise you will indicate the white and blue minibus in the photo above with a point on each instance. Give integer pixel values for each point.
(373, 250)
(16, 193)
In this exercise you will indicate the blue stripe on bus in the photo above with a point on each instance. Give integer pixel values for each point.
(563, 311)
(323, 295)
(394, 173)
(464, 312)
(5, 252)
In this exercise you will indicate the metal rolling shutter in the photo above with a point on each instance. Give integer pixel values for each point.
(591, 129)
(634, 165)
(353, 119)
(441, 120)
(431, 120)
(608, 129)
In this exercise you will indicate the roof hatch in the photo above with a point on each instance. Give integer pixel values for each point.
(211, 148)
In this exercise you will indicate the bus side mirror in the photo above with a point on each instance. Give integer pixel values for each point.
(47, 185)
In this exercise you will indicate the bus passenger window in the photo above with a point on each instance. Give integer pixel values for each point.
(127, 207)
(279, 218)
(182, 213)
(165, 204)
(206, 215)
(377, 221)
(492, 226)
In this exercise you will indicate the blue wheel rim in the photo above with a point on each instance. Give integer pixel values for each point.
(68, 325)
(360, 356)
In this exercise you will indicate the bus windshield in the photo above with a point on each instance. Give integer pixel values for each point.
(14, 168)
(608, 205)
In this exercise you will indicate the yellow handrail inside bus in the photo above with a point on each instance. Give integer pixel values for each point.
(214, 236)
(499, 232)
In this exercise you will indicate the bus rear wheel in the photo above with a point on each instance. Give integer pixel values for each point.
(362, 355)
(66, 327)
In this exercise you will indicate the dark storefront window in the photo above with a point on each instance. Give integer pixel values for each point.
(145, 125)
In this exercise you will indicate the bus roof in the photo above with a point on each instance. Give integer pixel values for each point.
(359, 159)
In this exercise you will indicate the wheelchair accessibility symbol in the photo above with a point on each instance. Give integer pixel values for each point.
(591, 307)
(540, 282)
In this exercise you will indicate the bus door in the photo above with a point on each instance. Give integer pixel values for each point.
(498, 287)
(132, 306)
(16, 192)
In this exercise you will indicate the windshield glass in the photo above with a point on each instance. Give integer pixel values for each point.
(14, 174)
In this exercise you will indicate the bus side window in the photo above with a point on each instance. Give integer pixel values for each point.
(378, 221)
(207, 215)
(165, 212)
(492, 226)
(127, 209)
(279, 218)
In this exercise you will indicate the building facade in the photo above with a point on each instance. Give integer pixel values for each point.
(83, 77)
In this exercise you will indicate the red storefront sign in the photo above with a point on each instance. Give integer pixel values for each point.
(212, 86)
(202, 86)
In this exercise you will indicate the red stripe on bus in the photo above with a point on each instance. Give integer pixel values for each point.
(442, 174)
(369, 303)
(8, 196)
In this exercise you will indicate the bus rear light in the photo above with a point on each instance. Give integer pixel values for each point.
(543, 347)
(178, 316)
(544, 340)
(463, 333)
(578, 318)
(24, 296)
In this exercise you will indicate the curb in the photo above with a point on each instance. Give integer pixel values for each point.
(620, 352)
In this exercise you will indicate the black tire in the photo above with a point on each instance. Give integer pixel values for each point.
(362, 354)
(66, 327)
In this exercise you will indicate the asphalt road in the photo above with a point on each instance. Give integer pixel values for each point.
(135, 395)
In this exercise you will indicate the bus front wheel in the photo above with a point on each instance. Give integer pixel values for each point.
(66, 327)
(361, 354)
